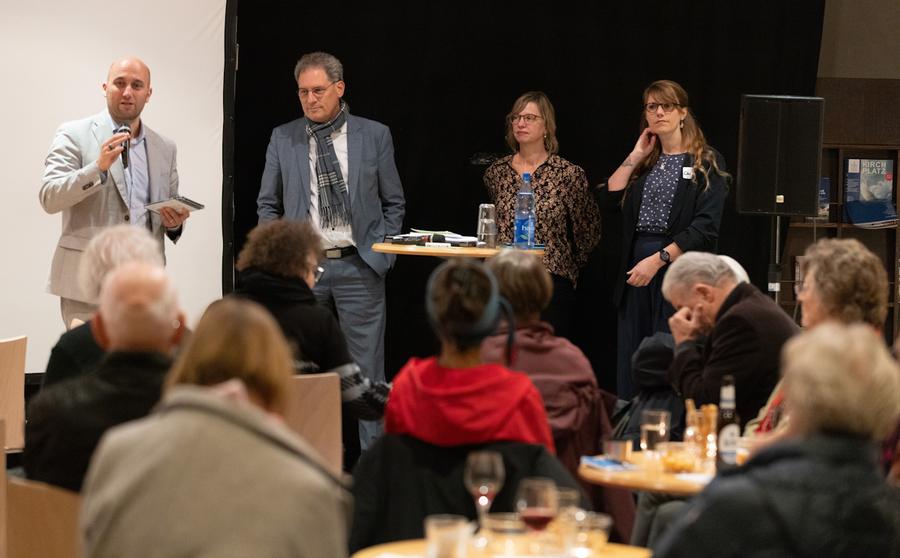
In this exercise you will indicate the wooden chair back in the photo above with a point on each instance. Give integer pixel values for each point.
(12, 390)
(314, 412)
(41, 520)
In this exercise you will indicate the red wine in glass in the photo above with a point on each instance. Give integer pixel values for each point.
(537, 518)
(537, 502)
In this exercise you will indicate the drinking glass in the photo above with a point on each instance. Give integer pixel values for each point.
(537, 502)
(483, 477)
(591, 531)
(446, 536)
(487, 225)
(654, 429)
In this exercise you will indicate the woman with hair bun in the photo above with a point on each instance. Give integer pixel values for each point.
(670, 190)
(454, 399)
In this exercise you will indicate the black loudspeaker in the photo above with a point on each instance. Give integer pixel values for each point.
(779, 155)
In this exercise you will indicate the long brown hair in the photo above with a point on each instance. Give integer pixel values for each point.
(667, 91)
(239, 339)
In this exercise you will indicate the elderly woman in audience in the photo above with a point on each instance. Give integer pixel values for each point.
(558, 368)
(843, 281)
(575, 405)
(214, 472)
(465, 401)
(278, 269)
(77, 352)
(817, 492)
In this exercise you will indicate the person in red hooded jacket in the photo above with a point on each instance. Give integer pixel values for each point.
(455, 399)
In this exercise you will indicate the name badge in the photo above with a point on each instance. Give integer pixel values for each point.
(687, 172)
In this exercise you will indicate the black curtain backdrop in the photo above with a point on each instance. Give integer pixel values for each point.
(443, 76)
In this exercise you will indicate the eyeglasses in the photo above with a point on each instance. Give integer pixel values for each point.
(799, 286)
(667, 107)
(316, 92)
(528, 118)
(318, 273)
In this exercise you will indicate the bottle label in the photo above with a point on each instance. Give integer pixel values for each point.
(524, 233)
(728, 443)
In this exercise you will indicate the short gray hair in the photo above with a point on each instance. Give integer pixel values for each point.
(696, 267)
(111, 248)
(139, 305)
(328, 62)
(840, 377)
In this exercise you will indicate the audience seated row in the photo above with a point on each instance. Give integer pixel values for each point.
(213, 471)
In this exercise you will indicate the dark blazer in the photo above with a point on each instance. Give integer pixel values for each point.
(376, 195)
(746, 343)
(67, 420)
(693, 222)
(400, 480)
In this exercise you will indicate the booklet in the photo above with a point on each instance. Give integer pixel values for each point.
(178, 202)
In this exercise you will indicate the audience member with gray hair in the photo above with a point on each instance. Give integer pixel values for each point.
(722, 327)
(139, 324)
(818, 492)
(77, 352)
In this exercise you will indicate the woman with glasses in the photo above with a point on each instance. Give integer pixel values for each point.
(568, 221)
(670, 191)
(278, 267)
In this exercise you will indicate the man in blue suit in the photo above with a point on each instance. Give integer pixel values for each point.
(338, 171)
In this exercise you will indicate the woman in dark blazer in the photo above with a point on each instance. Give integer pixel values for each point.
(670, 190)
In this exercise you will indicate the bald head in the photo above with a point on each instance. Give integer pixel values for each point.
(139, 309)
(127, 90)
(129, 63)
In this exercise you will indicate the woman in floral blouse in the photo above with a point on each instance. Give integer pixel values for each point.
(568, 221)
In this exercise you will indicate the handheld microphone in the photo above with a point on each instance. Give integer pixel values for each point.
(125, 144)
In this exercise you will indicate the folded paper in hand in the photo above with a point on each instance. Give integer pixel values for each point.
(178, 202)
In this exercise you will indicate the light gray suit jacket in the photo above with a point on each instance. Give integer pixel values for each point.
(73, 185)
(376, 195)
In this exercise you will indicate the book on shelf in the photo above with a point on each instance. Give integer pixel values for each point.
(869, 192)
(824, 215)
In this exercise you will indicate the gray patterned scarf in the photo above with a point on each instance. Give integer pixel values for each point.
(334, 199)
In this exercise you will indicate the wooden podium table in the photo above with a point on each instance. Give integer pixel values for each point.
(441, 251)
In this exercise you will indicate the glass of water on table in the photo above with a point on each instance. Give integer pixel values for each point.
(654, 430)
(487, 225)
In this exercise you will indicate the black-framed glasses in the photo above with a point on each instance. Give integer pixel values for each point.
(316, 92)
(667, 107)
(318, 273)
(528, 118)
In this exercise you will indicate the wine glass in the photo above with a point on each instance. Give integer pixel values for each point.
(537, 502)
(484, 476)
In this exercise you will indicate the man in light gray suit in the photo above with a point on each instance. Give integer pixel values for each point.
(85, 179)
(338, 171)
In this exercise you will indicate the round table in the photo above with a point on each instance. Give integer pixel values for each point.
(416, 547)
(644, 480)
(441, 251)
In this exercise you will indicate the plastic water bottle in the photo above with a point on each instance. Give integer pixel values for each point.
(525, 219)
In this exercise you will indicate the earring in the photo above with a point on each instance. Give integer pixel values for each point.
(681, 124)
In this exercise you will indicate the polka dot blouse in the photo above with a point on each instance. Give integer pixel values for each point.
(659, 192)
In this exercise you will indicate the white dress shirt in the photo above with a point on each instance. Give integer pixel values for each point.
(340, 235)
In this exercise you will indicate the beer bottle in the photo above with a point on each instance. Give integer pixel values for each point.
(728, 426)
